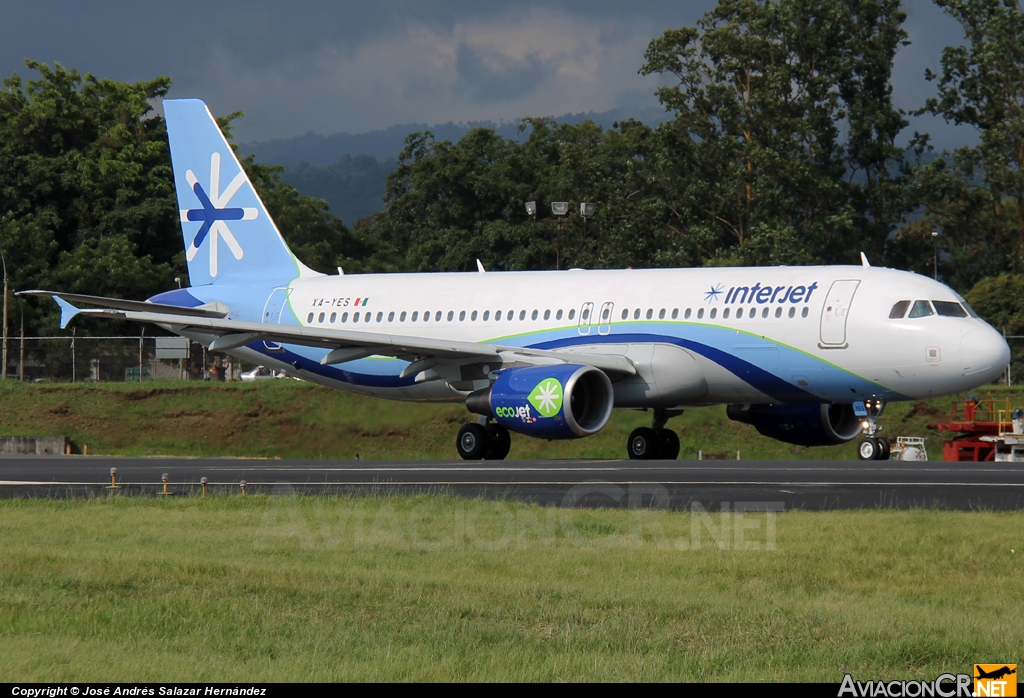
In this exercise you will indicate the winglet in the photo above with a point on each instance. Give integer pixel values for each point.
(864, 260)
(67, 311)
(480, 266)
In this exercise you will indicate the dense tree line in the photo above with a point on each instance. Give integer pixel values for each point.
(783, 147)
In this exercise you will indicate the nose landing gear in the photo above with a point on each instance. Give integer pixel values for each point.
(872, 447)
(654, 442)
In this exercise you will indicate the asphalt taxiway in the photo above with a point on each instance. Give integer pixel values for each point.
(771, 485)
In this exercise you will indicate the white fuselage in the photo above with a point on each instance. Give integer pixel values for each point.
(759, 335)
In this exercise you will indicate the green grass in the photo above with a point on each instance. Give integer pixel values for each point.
(289, 419)
(439, 588)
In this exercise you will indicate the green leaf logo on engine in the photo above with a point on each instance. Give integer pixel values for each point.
(546, 398)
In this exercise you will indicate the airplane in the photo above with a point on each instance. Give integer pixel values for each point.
(807, 355)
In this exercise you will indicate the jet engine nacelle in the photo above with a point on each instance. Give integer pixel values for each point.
(562, 401)
(803, 425)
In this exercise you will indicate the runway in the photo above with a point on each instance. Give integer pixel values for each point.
(750, 485)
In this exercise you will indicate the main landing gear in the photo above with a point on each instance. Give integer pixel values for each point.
(483, 442)
(873, 447)
(654, 442)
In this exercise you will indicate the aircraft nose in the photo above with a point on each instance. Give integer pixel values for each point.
(984, 354)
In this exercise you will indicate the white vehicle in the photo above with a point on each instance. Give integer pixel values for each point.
(807, 355)
(258, 374)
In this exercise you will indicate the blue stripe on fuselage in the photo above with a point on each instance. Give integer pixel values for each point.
(823, 376)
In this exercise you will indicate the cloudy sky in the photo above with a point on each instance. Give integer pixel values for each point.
(336, 66)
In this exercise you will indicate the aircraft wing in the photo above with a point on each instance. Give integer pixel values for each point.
(424, 353)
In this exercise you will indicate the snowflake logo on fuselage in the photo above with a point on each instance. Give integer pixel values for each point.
(712, 295)
(214, 213)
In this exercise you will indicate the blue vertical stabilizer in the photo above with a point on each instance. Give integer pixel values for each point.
(229, 237)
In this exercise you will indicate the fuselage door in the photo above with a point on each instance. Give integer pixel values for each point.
(605, 322)
(586, 313)
(272, 313)
(835, 312)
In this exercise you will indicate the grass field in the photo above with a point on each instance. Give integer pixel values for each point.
(290, 419)
(438, 588)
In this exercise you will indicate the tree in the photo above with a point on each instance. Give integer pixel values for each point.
(753, 164)
(976, 194)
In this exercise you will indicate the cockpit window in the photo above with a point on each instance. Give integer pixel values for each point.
(967, 306)
(949, 309)
(921, 309)
(899, 310)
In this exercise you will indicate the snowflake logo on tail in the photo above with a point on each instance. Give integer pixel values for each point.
(214, 214)
(546, 398)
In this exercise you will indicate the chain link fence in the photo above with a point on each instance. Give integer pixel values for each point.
(94, 359)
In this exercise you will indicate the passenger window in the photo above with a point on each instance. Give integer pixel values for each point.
(462, 316)
(344, 317)
(415, 315)
(472, 317)
(497, 316)
(625, 313)
(533, 316)
(380, 316)
(510, 315)
(320, 318)
(605, 314)
(803, 313)
(522, 314)
(426, 316)
(764, 313)
(792, 312)
(686, 315)
(714, 312)
(334, 316)
(558, 315)
(391, 316)
(309, 318)
(636, 314)
(547, 314)
(355, 317)
(661, 314)
(437, 316)
(675, 313)
(401, 318)
(650, 313)
(778, 311)
(725, 313)
(586, 314)
(739, 313)
(948, 309)
(487, 315)
(700, 313)
(572, 313)
(921, 309)
(451, 315)
(899, 310)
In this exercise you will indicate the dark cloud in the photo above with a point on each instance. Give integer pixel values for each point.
(329, 66)
(488, 76)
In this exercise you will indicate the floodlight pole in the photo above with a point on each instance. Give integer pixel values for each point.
(935, 255)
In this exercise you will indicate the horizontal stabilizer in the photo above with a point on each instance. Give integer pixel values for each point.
(120, 304)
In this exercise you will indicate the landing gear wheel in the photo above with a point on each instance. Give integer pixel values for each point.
(669, 445)
(869, 449)
(500, 442)
(473, 442)
(884, 449)
(643, 444)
